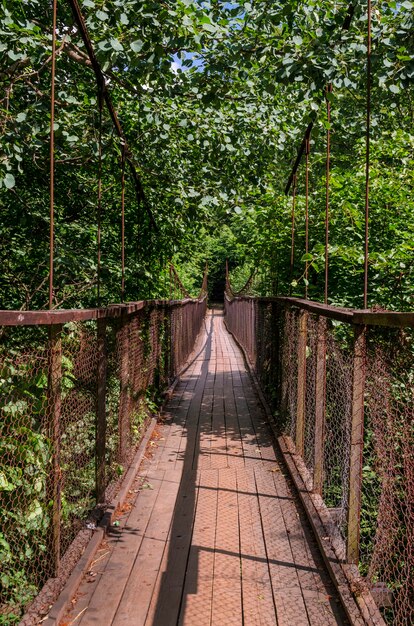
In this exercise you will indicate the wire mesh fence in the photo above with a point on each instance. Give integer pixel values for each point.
(74, 405)
(387, 555)
(343, 394)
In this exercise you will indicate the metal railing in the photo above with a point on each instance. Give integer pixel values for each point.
(341, 385)
(75, 387)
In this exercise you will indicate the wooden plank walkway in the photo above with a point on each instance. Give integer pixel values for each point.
(216, 534)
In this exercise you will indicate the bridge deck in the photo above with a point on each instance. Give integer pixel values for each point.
(216, 534)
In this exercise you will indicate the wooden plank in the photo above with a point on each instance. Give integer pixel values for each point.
(62, 316)
(218, 454)
(166, 600)
(265, 444)
(196, 604)
(136, 597)
(288, 599)
(175, 414)
(227, 601)
(202, 454)
(188, 442)
(233, 436)
(46, 318)
(258, 604)
(330, 558)
(250, 444)
(124, 547)
(218, 429)
(318, 592)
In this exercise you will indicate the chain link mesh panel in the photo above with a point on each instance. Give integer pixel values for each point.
(354, 425)
(25, 466)
(59, 448)
(387, 518)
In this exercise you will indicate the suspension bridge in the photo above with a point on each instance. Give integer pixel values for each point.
(274, 487)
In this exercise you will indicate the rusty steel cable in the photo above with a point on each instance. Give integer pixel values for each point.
(367, 155)
(52, 160)
(292, 244)
(307, 148)
(328, 165)
(181, 288)
(123, 223)
(204, 284)
(99, 207)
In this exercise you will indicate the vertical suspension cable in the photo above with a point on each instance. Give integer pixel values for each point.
(367, 156)
(123, 222)
(99, 208)
(306, 214)
(276, 289)
(292, 245)
(52, 160)
(328, 167)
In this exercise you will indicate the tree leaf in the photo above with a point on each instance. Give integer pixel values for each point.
(9, 181)
(102, 15)
(136, 46)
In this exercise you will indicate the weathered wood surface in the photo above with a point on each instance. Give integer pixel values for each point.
(216, 534)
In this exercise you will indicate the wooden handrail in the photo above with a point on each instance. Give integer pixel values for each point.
(63, 316)
(366, 317)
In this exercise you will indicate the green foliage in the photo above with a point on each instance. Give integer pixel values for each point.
(25, 457)
(214, 98)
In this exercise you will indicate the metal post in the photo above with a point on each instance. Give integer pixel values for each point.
(54, 412)
(320, 405)
(301, 391)
(357, 444)
(168, 374)
(123, 419)
(253, 332)
(101, 412)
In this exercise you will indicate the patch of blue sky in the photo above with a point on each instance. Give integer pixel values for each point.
(187, 60)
